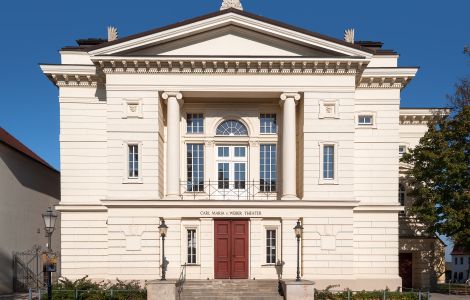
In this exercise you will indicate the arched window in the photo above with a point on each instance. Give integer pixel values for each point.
(231, 127)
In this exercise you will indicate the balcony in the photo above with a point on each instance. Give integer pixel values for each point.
(229, 190)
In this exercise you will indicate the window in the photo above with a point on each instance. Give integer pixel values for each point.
(240, 151)
(194, 123)
(328, 162)
(456, 261)
(401, 150)
(365, 120)
(133, 161)
(268, 168)
(268, 124)
(195, 167)
(191, 246)
(461, 260)
(271, 246)
(223, 151)
(401, 194)
(231, 127)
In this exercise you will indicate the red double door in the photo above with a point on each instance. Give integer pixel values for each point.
(231, 249)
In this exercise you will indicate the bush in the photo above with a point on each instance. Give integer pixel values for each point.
(85, 288)
(328, 294)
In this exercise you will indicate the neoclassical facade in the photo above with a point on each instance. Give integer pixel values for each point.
(231, 127)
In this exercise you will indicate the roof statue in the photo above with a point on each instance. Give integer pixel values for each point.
(112, 33)
(231, 4)
(349, 35)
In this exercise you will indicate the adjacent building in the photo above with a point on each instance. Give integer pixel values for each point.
(232, 127)
(460, 264)
(421, 257)
(28, 186)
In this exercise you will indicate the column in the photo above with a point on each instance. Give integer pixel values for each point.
(289, 152)
(173, 102)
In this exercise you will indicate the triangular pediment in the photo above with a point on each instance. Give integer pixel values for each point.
(229, 41)
(230, 33)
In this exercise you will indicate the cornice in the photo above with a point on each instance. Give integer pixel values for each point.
(420, 116)
(231, 65)
(387, 77)
(73, 75)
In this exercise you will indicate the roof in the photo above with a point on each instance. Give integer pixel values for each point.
(9, 140)
(377, 51)
(460, 250)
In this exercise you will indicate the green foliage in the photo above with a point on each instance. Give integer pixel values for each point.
(85, 288)
(327, 294)
(439, 176)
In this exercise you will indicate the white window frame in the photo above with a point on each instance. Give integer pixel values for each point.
(271, 225)
(276, 120)
(405, 149)
(372, 114)
(126, 179)
(323, 114)
(334, 180)
(185, 226)
(203, 123)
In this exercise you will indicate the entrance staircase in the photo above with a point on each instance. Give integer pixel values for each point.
(230, 290)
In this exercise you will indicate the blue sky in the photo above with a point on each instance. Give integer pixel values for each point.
(430, 34)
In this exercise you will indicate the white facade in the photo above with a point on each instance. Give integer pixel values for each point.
(460, 265)
(335, 163)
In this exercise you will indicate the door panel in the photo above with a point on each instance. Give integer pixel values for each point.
(239, 249)
(231, 249)
(222, 249)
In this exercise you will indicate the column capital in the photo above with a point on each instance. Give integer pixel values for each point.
(285, 96)
(176, 95)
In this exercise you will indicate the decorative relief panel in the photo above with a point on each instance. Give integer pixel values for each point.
(132, 108)
(328, 109)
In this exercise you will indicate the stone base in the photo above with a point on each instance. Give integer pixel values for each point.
(298, 290)
(359, 284)
(161, 290)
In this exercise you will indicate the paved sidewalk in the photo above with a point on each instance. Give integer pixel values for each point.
(436, 296)
(15, 297)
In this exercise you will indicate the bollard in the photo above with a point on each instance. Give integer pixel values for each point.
(419, 294)
(39, 294)
(30, 294)
(428, 296)
(76, 294)
(385, 295)
(349, 295)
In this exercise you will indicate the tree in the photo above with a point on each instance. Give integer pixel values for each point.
(439, 171)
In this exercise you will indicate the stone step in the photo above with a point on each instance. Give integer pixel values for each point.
(225, 297)
(230, 290)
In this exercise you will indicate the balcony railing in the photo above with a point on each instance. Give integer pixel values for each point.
(229, 190)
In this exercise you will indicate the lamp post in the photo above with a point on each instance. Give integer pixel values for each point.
(163, 229)
(298, 233)
(49, 218)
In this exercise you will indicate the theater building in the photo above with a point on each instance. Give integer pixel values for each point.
(231, 127)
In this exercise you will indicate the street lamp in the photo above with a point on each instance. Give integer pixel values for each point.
(163, 229)
(298, 233)
(49, 218)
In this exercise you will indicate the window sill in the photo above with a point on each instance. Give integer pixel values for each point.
(366, 126)
(328, 181)
(268, 266)
(192, 265)
(132, 181)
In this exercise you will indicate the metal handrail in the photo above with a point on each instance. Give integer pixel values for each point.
(230, 190)
(181, 280)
